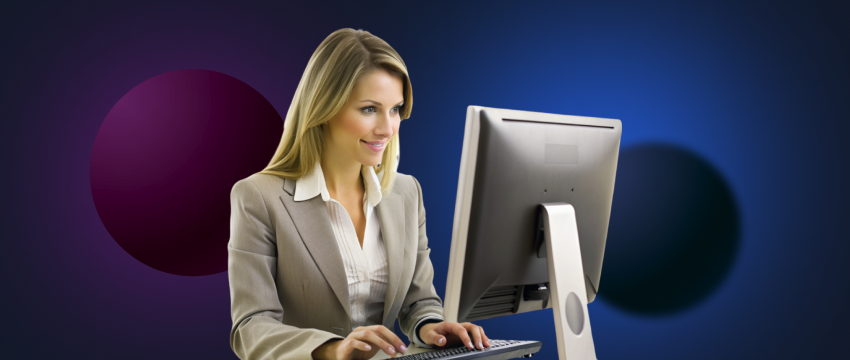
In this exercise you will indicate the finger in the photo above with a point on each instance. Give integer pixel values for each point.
(390, 337)
(486, 339)
(477, 341)
(461, 333)
(358, 345)
(372, 337)
(432, 337)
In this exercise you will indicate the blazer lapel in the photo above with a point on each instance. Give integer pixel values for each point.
(391, 216)
(314, 225)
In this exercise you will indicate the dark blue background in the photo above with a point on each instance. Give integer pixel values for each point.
(759, 89)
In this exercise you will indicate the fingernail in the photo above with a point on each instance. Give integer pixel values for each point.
(403, 348)
(391, 350)
(480, 345)
(441, 341)
(471, 346)
(368, 348)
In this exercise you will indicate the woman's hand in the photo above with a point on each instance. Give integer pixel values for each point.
(451, 333)
(362, 343)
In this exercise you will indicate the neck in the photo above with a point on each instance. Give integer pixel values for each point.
(342, 176)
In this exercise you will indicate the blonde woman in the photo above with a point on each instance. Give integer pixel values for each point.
(327, 244)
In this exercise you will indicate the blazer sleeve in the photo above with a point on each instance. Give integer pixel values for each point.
(258, 331)
(421, 300)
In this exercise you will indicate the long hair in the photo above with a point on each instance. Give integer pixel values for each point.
(342, 59)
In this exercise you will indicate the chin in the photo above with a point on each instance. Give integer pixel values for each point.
(371, 162)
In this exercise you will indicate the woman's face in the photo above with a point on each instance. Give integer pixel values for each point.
(361, 130)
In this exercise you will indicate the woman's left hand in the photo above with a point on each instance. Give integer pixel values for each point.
(450, 333)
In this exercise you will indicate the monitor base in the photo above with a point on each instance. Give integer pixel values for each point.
(567, 292)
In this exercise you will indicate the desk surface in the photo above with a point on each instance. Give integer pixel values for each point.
(412, 349)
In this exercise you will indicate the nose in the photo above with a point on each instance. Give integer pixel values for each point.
(384, 126)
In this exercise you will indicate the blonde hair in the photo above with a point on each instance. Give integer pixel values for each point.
(342, 59)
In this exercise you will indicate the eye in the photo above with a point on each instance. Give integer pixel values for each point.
(396, 109)
(368, 109)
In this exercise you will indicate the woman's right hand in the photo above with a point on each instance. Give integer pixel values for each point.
(362, 343)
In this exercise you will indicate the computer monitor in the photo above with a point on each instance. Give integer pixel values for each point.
(522, 173)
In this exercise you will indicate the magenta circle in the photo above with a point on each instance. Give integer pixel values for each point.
(165, 159)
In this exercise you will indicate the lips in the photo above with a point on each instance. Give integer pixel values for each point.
(375, 144)
(377, 147)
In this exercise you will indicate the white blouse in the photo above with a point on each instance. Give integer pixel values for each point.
(365, 268)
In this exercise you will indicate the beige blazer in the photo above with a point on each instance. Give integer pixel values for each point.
(288, 288)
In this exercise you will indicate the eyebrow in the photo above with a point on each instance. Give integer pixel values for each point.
(379, 104)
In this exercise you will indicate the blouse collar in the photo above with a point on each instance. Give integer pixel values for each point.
(313, 184)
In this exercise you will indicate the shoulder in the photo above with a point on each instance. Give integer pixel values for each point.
(262, 184)
(406, 185)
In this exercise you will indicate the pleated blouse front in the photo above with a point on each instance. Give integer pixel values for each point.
(365, 268)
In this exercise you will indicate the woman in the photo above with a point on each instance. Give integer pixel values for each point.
(327, 244)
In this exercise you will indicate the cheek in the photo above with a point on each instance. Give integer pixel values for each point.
(354, 127)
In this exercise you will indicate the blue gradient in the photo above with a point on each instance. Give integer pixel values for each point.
(758, 89)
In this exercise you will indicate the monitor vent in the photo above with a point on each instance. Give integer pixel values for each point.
(497, 301)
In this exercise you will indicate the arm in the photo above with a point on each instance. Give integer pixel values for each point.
(426, 307)
(257, 331)
(421, 305)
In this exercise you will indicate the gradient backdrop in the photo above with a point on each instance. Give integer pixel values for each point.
(759, 90)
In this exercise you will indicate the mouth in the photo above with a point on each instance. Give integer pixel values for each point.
(376, 146)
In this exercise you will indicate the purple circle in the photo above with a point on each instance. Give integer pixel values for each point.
(165, 159)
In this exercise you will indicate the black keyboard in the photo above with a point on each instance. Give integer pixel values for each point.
(498, 350)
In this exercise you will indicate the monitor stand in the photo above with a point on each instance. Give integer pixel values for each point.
(567, 292)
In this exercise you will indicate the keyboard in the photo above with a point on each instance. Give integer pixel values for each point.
(498, 350)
